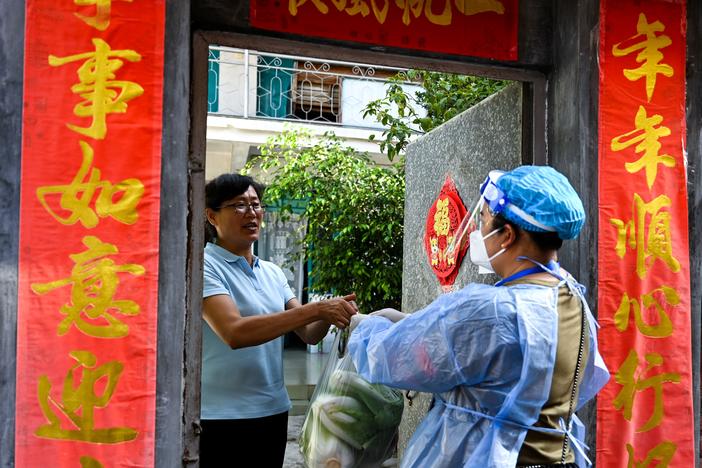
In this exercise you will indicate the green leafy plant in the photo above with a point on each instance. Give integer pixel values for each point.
(445, 96)
(354, 210)
(354, 207)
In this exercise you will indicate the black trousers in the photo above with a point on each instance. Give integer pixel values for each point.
(244, 443)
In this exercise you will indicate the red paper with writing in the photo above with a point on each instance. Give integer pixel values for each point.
(644, 415)
(444, 217)
(89, 221)
(479, 28)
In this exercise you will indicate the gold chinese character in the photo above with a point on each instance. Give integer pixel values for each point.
(410, 6)
(465, 7)
(443, 18)
(380, 13)
(645, 135)
(101, 20)
(473, 7)
(633, 382)
(663, 328)
(650, 54)
(441, 217)
(415, 7)
(102, 94)
(294, 5)
(78, 402)
(77, 196)
(89, 462)
(662, 454)
(94, 283)
(657, 244)
(357, 7)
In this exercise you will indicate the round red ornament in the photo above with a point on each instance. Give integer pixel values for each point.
(443, 219)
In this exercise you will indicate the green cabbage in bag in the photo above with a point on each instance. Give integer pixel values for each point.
(350, 423)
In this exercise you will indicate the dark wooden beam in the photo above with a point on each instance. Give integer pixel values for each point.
(320, 50)
(196, 242)
(694, 190)
(11, 66)
(572, 140)
(534, 147)
(174, 383)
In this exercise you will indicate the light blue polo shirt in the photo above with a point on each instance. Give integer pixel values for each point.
(248, 382)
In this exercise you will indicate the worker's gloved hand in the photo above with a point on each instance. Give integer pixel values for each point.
(355, 320)
(391, 314)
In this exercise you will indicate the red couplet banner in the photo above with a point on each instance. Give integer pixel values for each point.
(479, 28)
(88, 266)
(645, 413)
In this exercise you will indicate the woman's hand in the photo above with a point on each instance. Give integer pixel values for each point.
(338, 311)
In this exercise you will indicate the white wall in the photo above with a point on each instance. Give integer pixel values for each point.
(232, 78)
(357, 93)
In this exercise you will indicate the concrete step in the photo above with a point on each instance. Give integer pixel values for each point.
(300, 395)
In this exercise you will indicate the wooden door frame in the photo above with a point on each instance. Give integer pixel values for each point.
(534, 151)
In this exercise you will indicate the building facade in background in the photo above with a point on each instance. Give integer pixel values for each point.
(252, 96)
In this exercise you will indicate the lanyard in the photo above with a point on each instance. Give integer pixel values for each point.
(551, 267)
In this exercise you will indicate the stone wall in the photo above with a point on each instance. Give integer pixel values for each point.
(485, 137)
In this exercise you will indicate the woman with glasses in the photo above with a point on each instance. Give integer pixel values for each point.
(508, 364)
(247, 308)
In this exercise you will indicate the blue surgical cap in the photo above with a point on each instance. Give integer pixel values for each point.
(541, 199)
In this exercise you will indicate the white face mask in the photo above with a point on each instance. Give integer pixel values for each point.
(478, 252)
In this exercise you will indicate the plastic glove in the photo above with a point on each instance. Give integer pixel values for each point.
(391, 314)
(355, 320)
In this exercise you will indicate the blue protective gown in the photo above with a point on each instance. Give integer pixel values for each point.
(487, 353)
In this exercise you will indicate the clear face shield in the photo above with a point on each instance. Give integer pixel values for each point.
(496, 201)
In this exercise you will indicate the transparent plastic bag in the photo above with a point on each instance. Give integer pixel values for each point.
(350, 423)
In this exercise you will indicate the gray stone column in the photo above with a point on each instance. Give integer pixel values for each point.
(485, 137)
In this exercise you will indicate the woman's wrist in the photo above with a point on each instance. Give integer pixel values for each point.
(314, 310)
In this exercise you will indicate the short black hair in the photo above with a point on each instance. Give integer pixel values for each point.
(227, 186)
(543, 240)
(223, 188)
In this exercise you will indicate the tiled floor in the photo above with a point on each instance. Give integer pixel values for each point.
(302, 371)
(301, 367)
(293, 457)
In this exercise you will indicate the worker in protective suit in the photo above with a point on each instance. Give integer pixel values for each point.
(508, 364)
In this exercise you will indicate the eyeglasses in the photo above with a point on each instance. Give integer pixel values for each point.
(243, 208)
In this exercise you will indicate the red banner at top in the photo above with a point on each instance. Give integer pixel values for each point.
(479, 28)
(89, 223)
(645, 412)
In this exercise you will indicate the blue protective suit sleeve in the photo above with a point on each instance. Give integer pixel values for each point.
(458, 339)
